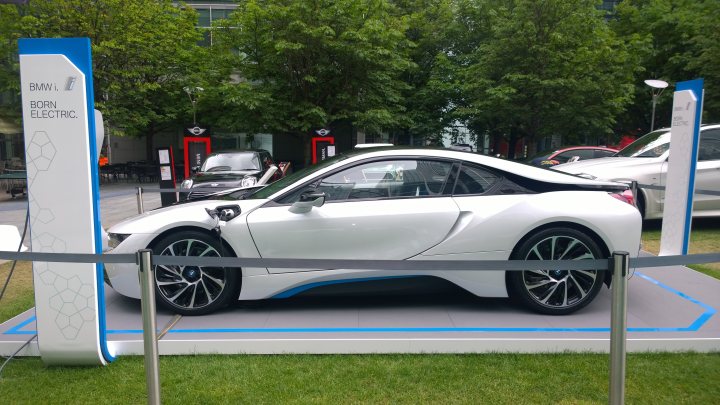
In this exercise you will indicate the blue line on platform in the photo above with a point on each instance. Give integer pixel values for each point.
(693, 327)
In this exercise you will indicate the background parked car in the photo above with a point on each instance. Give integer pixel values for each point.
(465, 147)
(646, 161)
(558, 156)
(229, 169)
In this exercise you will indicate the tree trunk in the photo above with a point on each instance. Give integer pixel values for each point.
(512, 143)
(307, 145)
(149, 152)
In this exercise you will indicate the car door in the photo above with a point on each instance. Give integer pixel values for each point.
(707, 173)
(383, 209)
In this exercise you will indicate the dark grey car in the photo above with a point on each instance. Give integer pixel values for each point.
(229, 169)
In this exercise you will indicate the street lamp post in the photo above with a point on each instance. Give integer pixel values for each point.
(657, 87)
(193, 93)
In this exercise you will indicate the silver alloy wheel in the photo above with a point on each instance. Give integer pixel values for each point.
(190, 287)
(560, 288)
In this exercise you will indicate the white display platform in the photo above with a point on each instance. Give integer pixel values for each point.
(669, 309)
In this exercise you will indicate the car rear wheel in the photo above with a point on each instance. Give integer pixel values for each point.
(189, 289)
(556, 292)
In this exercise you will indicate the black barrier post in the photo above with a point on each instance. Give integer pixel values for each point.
(634, 189)
(618, 326)
(147, 302)
(140, 206)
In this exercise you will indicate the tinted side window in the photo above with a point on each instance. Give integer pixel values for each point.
(603, 153)
(382, 179)
(474, 180)
(709, 145)
(583, 153)
(563, 157)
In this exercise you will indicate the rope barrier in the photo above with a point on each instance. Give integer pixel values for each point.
(288, 263)
(220, 188)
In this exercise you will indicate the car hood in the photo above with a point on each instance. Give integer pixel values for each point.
(188, 214)
(222, 177)
(616, 169)
(597, 166)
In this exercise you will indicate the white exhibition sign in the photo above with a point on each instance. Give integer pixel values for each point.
(680, 180)
(61, 156)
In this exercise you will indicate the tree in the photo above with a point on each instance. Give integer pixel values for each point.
(143, 54)
(301, 65)
(430, 79)
(9, 67)
(676, 40)
(547, 67)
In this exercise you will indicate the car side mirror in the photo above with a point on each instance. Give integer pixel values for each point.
(307, 201)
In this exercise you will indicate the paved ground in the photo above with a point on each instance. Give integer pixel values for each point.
(118, 201)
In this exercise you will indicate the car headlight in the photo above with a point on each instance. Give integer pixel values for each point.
(248, 181)
(186, 183)
(115, 239)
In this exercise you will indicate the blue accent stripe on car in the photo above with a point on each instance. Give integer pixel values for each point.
(297, 290)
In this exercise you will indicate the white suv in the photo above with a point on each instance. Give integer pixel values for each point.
(646, 161)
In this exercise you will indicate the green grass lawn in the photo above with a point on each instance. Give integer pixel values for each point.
(686, 378)
(19, 293)
(487, 379)
(704, 238)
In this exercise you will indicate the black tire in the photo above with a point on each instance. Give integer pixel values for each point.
(556, 292)
(194, 290)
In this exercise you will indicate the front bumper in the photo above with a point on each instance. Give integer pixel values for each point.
(123, 277)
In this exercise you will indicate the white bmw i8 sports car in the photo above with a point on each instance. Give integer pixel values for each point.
(388, 204)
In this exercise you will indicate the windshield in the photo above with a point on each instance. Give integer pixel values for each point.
(651, 145)
(541, 155)
(226, 162)
(273, 188)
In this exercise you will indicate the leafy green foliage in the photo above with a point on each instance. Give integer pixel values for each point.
(676, 40)
(544, 68)
(512, 68)
(143, 55)
(9, 67)
(430, 78)
(302, 65)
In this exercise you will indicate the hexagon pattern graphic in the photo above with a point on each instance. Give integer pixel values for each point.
(40, 154)
(39, 214)
(71, 300)
(47, 242)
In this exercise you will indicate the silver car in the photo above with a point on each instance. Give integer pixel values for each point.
(646, 161)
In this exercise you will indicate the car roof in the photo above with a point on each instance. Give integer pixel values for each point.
(565, 148)
(702, 126)
(229, 152)
(508, 166)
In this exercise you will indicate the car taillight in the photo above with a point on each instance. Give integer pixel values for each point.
(625, 196)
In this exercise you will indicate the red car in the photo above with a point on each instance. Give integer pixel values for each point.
(555, 157)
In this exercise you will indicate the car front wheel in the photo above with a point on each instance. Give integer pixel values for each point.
(189, 289)
(550, 291)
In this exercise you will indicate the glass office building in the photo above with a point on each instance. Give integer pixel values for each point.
(210, 12)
